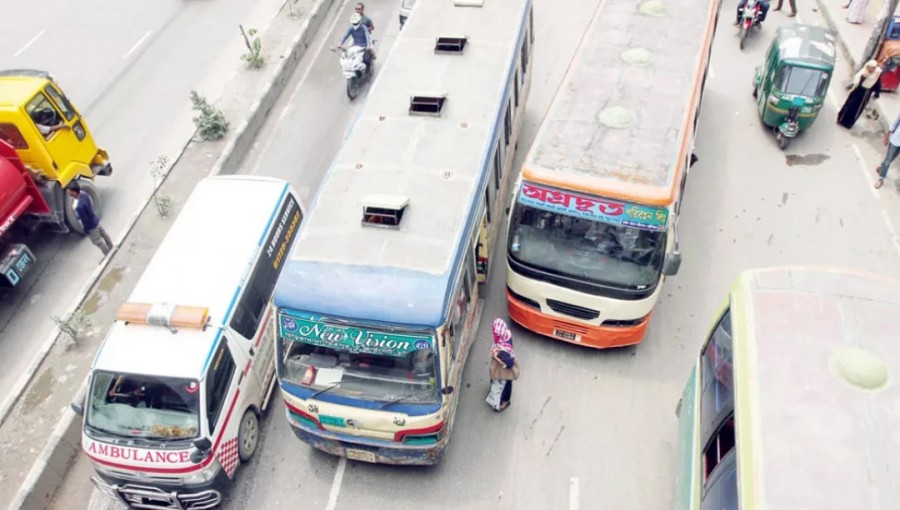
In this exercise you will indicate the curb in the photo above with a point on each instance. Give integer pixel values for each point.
(236, 150)
(826, 11)
(49, 469)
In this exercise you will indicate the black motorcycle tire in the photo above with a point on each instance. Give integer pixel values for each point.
(352, 88)
(744, 32)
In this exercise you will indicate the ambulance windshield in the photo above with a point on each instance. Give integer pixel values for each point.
(145, 407)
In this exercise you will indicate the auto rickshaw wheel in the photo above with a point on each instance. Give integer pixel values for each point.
(783, 141)
(755, 92)
(72, 220)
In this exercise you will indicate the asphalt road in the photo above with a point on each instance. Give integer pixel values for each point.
(129, 67)
(591, 429)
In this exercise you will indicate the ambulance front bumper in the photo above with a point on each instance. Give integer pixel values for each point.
(152, 495)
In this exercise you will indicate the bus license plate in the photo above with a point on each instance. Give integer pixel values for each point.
(565, 335)
(334, 421)
(360, 455)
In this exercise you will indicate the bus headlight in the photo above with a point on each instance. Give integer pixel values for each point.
(204, 475)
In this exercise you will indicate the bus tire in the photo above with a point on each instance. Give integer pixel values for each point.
(71, 218)
(248, 435)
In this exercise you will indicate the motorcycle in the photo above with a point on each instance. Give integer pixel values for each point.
(354, 67)
(749, 18)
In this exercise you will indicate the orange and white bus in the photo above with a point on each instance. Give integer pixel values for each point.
(593, 227)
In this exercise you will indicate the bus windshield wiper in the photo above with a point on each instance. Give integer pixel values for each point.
(404, 397)
(333, 386)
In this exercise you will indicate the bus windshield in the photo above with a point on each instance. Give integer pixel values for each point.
(586, 249)
(358, 361)
(146, 407)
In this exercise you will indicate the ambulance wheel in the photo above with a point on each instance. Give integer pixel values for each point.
(72, 220)
(248, 435)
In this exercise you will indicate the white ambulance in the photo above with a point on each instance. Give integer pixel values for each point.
(178, 384)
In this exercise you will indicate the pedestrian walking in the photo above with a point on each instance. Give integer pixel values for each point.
(793, 7)
(503, 369)
(892, 140)
(84, 209)
(856, 11)
(866, 85)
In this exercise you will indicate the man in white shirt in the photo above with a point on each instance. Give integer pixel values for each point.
(892, 140)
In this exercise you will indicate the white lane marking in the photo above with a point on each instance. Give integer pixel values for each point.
(336, 484)
(868, 173)
(887, 221)
(890, 227)
(322, 44)
(573, 494)
(289, 105)
(834, 100)
(138, 44)
(29, 43)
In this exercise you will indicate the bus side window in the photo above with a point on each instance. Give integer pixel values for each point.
(218, 382)
(720, 490)
(459, 311)
(717, 396)
(507, 125)
(498, 167)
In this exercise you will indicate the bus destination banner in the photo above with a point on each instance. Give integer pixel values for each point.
(349, 338)
(593, 208)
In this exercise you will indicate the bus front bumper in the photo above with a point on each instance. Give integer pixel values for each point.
(366, 449)
(597, 337)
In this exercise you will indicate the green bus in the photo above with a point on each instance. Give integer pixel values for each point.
(794, 401)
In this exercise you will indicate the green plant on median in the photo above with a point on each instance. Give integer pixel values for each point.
(158, 171)
(73, 326)
(253, 58)
(211, 123)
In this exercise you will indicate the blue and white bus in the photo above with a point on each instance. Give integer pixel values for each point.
(379, 302)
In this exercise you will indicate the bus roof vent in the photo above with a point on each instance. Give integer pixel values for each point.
(427, 105)
(384, 210)
(450, 44)
(165, 315)
(468, 3)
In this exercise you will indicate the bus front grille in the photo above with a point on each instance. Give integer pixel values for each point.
(571, 310)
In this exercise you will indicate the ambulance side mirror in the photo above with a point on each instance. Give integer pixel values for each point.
(77, 408)
(202, 447)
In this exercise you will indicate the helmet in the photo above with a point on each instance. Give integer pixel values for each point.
(355, 19)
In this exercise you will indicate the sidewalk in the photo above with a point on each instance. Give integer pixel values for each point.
(40, 436)
(851, 40)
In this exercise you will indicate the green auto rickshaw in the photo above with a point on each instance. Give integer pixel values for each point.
(791, 84)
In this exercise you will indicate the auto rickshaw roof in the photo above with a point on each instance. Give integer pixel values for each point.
(16, 90)
(806, 45)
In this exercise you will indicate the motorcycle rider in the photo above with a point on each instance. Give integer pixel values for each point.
(361, 37)
(764, 8)
(367, 21)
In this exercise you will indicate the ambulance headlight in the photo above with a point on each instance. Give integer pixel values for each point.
(204, 475)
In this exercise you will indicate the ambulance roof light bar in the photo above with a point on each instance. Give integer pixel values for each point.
(164, 314)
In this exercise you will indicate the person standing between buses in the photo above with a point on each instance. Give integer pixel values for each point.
(503, 369)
